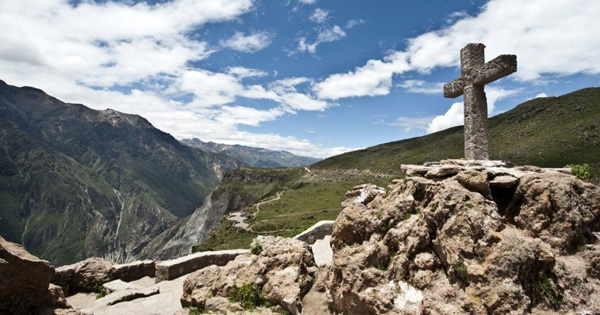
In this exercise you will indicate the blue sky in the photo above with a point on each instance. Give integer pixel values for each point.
(314, 77)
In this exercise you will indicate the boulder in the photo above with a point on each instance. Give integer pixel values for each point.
(24, 281)
(282, 273)
(443, 245)
(91, 274)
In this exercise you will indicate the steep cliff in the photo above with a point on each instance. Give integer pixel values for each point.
(77, 182)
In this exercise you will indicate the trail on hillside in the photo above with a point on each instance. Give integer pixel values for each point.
(239, 219)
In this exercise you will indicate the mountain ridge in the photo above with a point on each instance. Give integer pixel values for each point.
(253, 156)
(73, 177)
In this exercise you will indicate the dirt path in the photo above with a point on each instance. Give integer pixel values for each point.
(239, 218)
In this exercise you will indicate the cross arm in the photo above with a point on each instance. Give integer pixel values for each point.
(493, 70)
(454, 88)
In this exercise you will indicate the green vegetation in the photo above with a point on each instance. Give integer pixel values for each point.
(581, 171)
(546, 290)
(196, 311)
(469, 205)
(100, 291)
(256, 248)
(249, 295)
(296, 200)
(548, 132)
(461, 270)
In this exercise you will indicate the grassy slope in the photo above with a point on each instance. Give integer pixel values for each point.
(305, 198)
(550, 132)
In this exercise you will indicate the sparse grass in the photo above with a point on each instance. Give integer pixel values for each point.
(461, 270)
(304, 201)
(256, 248)
(100, 291)
(546, 290)
(469, 205)
(249, 295)
(196, 311)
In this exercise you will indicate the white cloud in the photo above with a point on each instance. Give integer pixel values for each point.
(455, 115)
(242, 72)
(548, 37)
(374, 78)
(423, 87)
(251, 43)
(307, 1)
(326, 35)
(412, 122)
(541, 95)
(352, 23)
(319, 16)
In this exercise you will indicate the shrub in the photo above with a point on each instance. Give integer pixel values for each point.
(581, 171)
(461, 270)
(196, 311)
(256, 248)
(249, 295)
(100, 291)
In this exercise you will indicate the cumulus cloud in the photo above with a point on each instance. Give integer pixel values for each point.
(548, 37)
(145, 50)
(410, 123)
(372, 79)
(250, 43)
(455, 115)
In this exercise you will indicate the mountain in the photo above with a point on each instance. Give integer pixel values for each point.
(77, 182)
(255, 157)
(549, 131)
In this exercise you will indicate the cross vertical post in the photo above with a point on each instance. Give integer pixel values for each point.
(475, 74)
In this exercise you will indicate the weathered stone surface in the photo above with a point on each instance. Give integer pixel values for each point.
(119, 297)
(504, 181)
(24, 280)
(282, 270)
(174, 268)
(135, 270)
(444, 246)
(475, 73)
(118, 285)
(90, 273)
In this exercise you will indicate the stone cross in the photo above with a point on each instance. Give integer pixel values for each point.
(475, 73)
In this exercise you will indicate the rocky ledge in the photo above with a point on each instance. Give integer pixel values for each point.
(468, 237)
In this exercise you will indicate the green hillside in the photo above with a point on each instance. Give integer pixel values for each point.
(550, 132)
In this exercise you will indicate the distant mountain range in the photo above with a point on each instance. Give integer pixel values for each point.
(77, 182)
(255, 157)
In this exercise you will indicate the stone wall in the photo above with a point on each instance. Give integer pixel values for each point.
(316, 232)
(174, 268)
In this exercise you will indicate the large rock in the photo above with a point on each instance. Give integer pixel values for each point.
(456, 244)
(25, 281)
(283, 271)
(92, 273)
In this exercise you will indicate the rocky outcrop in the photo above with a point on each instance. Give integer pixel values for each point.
(468, 238)
(174, 268)
(282, 273)
(25, 282)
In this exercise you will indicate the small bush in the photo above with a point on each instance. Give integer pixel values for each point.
(249, 295)
(256, 248)
(469, 205)
(461, 270)
(100, 291)
(581, 171)
(545, 289)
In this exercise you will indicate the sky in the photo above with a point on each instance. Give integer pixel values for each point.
(313, 77)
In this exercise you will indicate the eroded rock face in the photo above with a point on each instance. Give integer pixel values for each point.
(283, 270)
(488, 239)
